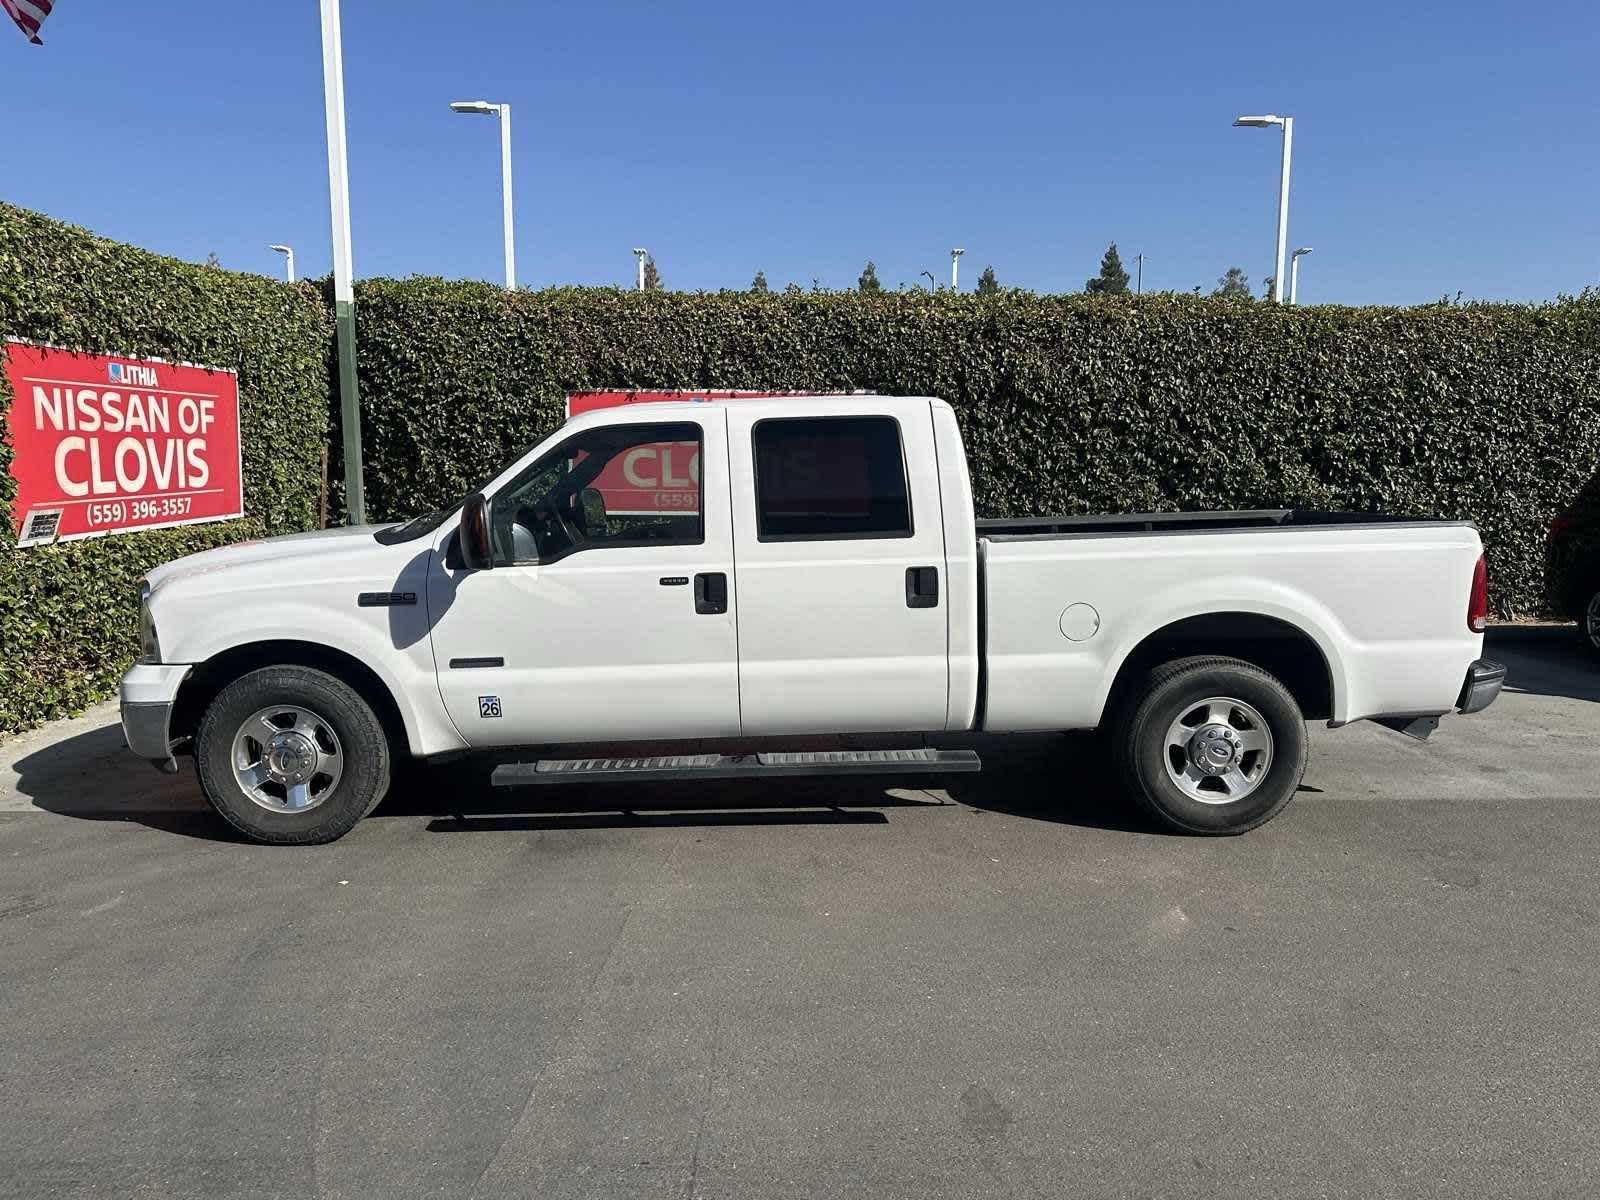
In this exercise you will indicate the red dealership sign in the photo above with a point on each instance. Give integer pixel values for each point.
(107, 444)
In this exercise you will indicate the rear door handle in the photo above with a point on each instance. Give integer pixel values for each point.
(711, 592)
(922, 587)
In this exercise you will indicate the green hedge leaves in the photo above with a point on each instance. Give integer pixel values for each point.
(1489, 413)
(68, 612)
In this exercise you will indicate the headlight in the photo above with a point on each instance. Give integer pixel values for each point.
(149, 643)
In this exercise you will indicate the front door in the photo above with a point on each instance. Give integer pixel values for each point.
(841, 569)
(610, 611)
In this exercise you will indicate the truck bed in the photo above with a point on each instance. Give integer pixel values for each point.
(1067, 599)
(1099, 524)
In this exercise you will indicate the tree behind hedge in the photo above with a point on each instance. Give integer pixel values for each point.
(1113, 279)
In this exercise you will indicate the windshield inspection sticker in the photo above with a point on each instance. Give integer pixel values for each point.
(488, 706)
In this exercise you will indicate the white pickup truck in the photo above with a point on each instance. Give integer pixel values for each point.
(813, 568)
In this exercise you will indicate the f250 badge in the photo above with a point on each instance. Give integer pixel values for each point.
(488, 706)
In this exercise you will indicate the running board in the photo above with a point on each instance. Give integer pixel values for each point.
(765, 765)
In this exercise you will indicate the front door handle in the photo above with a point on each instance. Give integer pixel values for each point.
(922, 587)
(711, 592)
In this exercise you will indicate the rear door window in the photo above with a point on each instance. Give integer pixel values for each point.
(821, 478)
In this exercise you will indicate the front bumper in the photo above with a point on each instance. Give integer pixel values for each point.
(1484, 680)
(147, 695)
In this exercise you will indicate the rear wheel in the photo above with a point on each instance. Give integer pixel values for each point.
(1216, 746)
(1589, 620)
(292, 756)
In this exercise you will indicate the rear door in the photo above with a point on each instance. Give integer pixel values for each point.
(840, 564)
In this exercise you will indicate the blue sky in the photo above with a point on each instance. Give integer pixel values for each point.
(1438, 147)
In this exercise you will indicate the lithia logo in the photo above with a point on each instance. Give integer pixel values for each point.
(132, 375)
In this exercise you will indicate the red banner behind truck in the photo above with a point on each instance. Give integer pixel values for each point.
(664, 477)
(106, 444)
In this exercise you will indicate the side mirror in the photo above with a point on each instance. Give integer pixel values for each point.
(477, 552)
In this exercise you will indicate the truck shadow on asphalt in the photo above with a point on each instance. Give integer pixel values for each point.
(1050, 777)
(1063, 779)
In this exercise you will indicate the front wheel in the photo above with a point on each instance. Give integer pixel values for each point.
(1216, 746)
(292, 756)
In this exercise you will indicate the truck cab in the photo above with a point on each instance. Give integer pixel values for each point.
(776, 594)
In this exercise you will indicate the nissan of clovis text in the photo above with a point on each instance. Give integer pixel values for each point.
(815, 569)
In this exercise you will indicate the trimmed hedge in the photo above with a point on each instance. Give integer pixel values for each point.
(68, 613)
(1068, 403)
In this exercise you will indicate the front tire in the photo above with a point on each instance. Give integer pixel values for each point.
(1216, 746)
(292, 756)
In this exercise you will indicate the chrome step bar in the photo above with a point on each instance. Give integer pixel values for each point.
(769, 764)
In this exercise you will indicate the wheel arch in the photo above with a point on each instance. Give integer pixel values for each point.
(208, 678)
(1277, 645)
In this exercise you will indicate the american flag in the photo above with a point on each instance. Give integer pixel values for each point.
(29, 15)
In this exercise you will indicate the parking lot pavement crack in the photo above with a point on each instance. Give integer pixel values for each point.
(705, 1107)
(520, 1128)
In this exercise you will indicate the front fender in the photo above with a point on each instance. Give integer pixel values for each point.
(397, 650)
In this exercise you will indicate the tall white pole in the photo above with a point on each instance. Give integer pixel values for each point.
(344, 297)
(505, 196)
(955, 264)
(1283, 207)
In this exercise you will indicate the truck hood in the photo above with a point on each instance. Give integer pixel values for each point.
(303, 548)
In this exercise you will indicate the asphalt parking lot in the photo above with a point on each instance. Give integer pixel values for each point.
(1009, 988)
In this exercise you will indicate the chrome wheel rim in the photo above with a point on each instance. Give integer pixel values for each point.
(1591, 621)
(287, 758)
(1218, 750)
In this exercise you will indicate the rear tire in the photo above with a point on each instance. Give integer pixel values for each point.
(1589, 619)
(292, 756)
(1216, 746)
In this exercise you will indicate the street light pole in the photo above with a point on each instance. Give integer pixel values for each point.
(1138, 288)
(344, 298)
(929, 274)
(955, 262)
(1294, 273)
(288, 259)
(503, 111)
(640, 253)
(1287, 125)
(505, 198)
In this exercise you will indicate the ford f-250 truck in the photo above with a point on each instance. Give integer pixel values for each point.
(814, 568)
